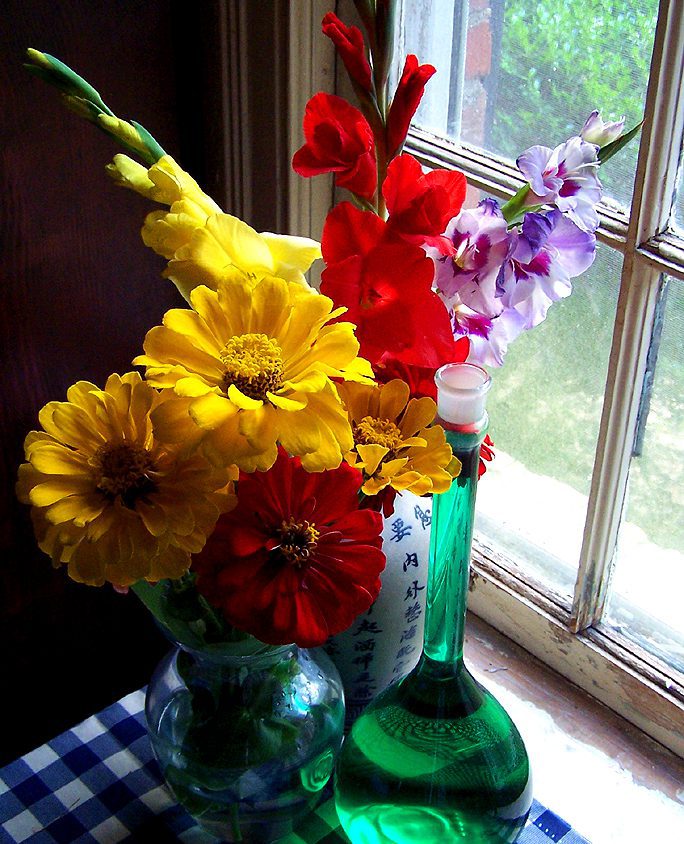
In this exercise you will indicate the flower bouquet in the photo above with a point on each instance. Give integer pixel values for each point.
(237, 485)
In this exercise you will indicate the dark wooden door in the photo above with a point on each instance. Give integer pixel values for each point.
(78, 291)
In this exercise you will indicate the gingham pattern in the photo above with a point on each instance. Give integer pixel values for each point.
(99, 783)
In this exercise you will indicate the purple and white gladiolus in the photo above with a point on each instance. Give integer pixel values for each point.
(481, 244)
(595, 131)
(565, 177)
(503, 274)
(547, 253)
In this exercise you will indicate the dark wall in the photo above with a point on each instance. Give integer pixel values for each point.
(78, 291)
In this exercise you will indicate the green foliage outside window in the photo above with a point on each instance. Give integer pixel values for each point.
(559, 59)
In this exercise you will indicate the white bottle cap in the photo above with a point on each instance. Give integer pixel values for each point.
(462, 393)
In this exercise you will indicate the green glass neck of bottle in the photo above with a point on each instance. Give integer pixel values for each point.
(450, 545)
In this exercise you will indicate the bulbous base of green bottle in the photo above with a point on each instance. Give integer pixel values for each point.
(433, 759)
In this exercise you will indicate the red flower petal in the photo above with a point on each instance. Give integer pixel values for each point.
(420, 378)
(348, 231)
(421, 204)
(338, 140)
(406, 100)
(486, 453)
(348, 42)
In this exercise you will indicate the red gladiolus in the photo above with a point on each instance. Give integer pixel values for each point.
(348, 42)
(347, 231)
(406, 100)
(386, 286)
(340, 141)
(421, 204)
(296, 560)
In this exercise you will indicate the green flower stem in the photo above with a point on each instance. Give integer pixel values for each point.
(385, 13)
(186, 585)
(178, 608)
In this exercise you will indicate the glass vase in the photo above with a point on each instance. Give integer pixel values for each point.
(246, 734)
(436, 758)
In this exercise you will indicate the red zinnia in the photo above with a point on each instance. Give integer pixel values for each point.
(296, 560)
(339, 140)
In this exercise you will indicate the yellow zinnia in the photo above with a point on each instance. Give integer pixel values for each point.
(202, 244)
(254, 364)
(110, 501)
(394, 442)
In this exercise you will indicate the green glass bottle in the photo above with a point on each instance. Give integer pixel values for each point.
(435, 758)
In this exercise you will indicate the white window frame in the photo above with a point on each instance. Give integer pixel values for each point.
(632, 682)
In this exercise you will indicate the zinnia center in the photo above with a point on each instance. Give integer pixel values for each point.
(253, 363)
(123, 470)
(297, 541)
(378, 432)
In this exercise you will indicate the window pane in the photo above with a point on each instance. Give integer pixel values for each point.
(545, 407)
(533, 70)
(648, 581)
(678, 205)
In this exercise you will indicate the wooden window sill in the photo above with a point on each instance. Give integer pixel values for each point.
(601, 774)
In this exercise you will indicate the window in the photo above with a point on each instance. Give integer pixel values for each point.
(580, 549)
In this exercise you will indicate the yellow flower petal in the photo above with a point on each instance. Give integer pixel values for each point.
(287, 403)
(172, 422)
(421, 442)
(360, 370)
(299, 433)
(211, 411)
(79, 509)
(260, 427)
(167, 233)
(191, 388)
(57, 460)
(242, 401)
(57, 487)
(296, 252)
(86, 565)
(245, 247)
(116, 497)
(172, 564)
(371, 455)
(308, 382)
(190, 324)
(419, 414)
(394, 397)
(128, 173)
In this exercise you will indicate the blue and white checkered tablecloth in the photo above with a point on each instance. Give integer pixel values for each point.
(99, 782)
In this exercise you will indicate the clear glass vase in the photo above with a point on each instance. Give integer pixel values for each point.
(436, 758)
(246, 734)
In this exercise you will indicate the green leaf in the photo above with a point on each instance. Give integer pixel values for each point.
(515, 209)
(609, 150)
